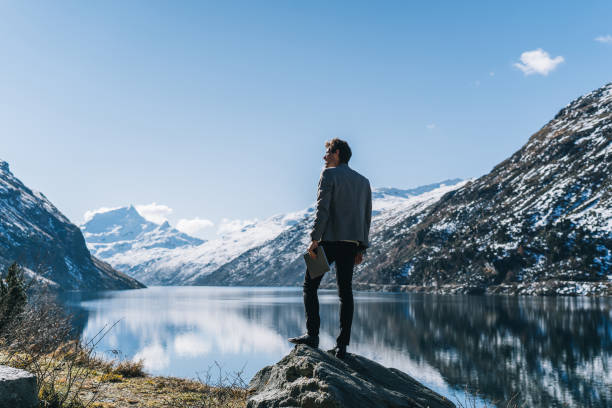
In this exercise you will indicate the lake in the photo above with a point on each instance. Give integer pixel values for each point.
(553, 352)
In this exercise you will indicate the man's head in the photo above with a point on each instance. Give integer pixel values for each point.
(337, 152)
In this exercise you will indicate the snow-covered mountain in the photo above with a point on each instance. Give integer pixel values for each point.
(540, 221)
(40, 238)
(122, 229)
(133, 245)
(279, 261)
(161, 255)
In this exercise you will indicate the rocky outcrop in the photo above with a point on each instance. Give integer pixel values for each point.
(17, 388)
(309, 377)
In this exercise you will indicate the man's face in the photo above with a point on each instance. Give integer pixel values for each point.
(332, 159)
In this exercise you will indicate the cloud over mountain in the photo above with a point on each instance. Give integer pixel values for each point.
(157, 213)
(538, 62)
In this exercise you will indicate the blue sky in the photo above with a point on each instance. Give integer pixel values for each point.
(220, 109)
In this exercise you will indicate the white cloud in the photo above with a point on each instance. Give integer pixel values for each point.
(157, 213)
(90, 214)
(538, 62)
(228, 226)
(431, 126)
(193, 226)
(491, 73)
(604, 39)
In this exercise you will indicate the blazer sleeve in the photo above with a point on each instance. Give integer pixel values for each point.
(367, 221)
(324, 195)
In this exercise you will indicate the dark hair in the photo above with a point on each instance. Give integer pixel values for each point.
(343, 147)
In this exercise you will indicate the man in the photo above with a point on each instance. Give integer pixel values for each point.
(341, 227)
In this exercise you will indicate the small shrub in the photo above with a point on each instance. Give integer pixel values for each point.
(130, 369)
(37, 335)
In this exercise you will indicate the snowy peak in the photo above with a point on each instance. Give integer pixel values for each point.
(20, 199)
(387, 192)
(587, 111)
(582, 126)
(124, 222)
(120, 229)
(4, 166)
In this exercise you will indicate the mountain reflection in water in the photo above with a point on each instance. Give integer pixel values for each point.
(546, 351)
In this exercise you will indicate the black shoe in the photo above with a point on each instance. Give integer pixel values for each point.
(339, 352)
(312, 341)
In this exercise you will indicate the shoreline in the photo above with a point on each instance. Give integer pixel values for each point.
(549, 288)
(543, 288)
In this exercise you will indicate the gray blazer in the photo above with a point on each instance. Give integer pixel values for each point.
(344, 207)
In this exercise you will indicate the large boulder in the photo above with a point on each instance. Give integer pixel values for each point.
(17, 388)
(312, 378)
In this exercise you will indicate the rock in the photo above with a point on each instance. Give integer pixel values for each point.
(312, 378)
(17, 388)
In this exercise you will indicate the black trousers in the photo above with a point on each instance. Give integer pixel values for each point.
(343, 255)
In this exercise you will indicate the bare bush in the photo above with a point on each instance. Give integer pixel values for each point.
(39, 338)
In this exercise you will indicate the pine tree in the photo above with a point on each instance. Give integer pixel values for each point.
(13, 295)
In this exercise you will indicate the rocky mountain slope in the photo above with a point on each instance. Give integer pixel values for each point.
(542, 215)
(40, 238)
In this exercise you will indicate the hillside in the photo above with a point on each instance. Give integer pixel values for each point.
(542, 215)
(34, 233)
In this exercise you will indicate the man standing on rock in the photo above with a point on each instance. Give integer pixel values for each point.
(341, 227)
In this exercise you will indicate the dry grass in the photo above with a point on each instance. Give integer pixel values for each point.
(130, 369)
(166, 392)
(104, 386)
(37, 336)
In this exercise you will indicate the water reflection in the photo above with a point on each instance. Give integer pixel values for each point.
(549, 351)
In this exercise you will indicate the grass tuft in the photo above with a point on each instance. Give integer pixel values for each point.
(111, 377)
(130, 369)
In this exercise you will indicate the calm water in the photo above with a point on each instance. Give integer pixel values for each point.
(552, 352)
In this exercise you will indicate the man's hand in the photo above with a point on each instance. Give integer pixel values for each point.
(358, 258)
(311, 249)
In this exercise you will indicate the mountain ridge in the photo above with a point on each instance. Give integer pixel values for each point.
(205, 263)
(35, 234)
